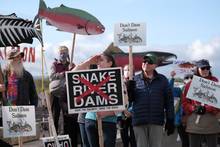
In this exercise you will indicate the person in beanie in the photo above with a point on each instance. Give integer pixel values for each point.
(208, 126)
(153, 103)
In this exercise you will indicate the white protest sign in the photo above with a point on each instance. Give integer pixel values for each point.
(130, 34)
(64, 141)
(179, 70)
(95, 90)
(18, 121)
(204, 91)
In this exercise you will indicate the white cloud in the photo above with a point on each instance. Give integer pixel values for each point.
(87, 46)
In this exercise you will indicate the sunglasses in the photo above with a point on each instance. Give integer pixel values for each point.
(186, 78)
(148, 61)
(207, 68)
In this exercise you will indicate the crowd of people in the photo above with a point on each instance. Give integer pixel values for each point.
(154, 104)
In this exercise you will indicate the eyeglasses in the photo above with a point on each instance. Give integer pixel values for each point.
(148, 61)
(207, 68)
(186, 78)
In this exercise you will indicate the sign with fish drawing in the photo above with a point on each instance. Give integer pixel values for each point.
(18, 121)
(204, 91)
(130, 34)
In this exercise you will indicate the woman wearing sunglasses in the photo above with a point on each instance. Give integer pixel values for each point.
(208, 127)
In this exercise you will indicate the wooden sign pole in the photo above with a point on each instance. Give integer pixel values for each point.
(100, 131)
(50, 120)
(72, 51)
(20, 141)
(130, 63)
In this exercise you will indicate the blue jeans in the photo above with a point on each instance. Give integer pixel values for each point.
(84, 137)
(109, 133)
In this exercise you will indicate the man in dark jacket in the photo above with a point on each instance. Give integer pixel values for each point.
(19, 83)
(152, 104)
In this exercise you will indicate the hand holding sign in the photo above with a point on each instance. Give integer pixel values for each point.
(200, 110)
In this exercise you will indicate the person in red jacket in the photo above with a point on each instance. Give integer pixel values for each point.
(208, 126)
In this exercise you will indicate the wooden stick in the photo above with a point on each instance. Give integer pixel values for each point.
(51, 122)
(130, 63)
(42, 68)
(73, 46)
(100, 131)
(20, 141)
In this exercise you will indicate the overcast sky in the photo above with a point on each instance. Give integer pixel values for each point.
(188, 28)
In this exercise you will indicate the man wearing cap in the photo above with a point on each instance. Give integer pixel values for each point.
(152, 99)
(19, 83)
(58, 69)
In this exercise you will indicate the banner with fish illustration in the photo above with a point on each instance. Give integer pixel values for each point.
(18, 121)
(204, 91)
(15, 30)
(29, 53)
(130, 34)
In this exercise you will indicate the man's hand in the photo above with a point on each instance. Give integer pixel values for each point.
(169, 127)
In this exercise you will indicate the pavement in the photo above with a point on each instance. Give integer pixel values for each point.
(170, 141)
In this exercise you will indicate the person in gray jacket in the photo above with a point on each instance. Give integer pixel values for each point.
(152, 104)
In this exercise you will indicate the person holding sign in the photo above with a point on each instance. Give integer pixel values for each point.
(201, 122)
(151, 95)
(108, 118)
(19, 83)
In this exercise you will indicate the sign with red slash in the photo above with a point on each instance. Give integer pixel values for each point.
(95, 90)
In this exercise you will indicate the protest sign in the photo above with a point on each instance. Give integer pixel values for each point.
(95, 90)
(18, 121)
(64, 141)
(204, 91)
(130, 34)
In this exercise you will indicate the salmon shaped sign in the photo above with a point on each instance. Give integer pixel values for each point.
(70, 20)
(121, 58)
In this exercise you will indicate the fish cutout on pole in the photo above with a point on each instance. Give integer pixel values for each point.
(70, 20)
(121, 58)
(15, 30)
